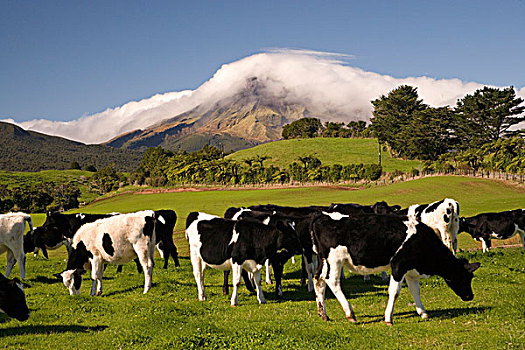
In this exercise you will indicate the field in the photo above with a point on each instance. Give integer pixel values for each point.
(329, 150)
(171, 316)
(19, 178)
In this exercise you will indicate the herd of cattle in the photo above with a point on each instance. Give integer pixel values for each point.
(413, 243)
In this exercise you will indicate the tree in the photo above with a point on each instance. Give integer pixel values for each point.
(392, 113)
(302, 128)
(332, 129)
(75, 166)
(487, 115)
(427, 134)
(357, 128)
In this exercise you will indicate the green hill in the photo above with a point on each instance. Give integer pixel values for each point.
(22, 150)
(329, 150)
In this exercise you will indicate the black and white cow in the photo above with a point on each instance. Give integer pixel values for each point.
(442, 216)
(13, 299)
(371, 243)
(226, 244)
(12, 226)
(57, 230)
(114, 240)
(166, 220)
(354, 209)
(502, 225)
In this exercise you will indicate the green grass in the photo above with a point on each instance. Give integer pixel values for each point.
(170, 315)
(328, 150)
(19, 178)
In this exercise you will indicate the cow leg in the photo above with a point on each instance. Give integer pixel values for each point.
(366, 278)
(160, 248)
(11, 261)
(485, 244)
(248, 281)
(278, 274)
(320, 289)
(139, 266)
(384, 276)
(413, 287)
(393, 292)
(198, 273)
(258, 287)
(97, 271)
(522, 237)
(268, 272)
(145, 256)
(175, 255)
(304, 273)
(119, 268)
(236, 279)
(67, 243)
(334, 283)
(225, 285)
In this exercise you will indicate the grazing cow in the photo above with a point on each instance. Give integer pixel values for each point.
(226, 244)
(442, 216)
(12, 226)
(503, 225)
(356, 209)
(114, 240)
(57, 230)
(13, 299)
(371, 243)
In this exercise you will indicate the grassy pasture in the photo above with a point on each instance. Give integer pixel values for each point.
(171, 316)
(329, 150)
(21, 178)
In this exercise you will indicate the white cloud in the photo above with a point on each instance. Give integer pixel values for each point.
(323, 81)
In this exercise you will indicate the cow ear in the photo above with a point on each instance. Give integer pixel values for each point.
(472, 267)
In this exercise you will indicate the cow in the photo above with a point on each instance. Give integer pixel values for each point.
(245, 244)
(13, 299)
(353, 208)
(57, 230)
(166, 220)
(356, 209)
(442, 216)
(370, 243)
(502, 225)
(113, 240)
(12, 226)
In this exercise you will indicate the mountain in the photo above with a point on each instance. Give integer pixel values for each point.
(252, 116)
(22, 150)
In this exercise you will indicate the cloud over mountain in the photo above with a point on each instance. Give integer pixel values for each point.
(323, 82)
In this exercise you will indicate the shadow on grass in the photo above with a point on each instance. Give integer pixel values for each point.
(45, 280)
(34, 329)
(432, 314)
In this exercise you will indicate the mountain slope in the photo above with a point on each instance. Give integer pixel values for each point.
(22, 150)
(252, 116)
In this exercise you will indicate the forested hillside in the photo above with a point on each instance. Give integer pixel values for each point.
(22, 150)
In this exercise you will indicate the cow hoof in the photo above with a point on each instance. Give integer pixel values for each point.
(424, 315)
(389, 324)
(302, 281)
(325, 318)
(98, 294)
(351, 319)
(233, 305)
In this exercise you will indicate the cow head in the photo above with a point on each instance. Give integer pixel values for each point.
(13, 299)
(466, 226)
(461, 279)
(57, 224)
(287, 240)
(383, 208)
(29, 241)
(72, 279)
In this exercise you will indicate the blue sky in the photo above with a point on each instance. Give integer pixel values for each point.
(62, 60)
